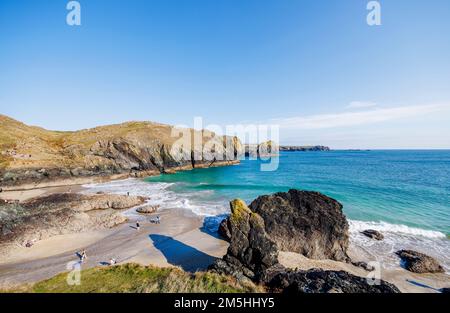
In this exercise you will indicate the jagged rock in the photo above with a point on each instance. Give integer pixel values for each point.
(273, 223)
(363, 265)
(417, 262)
(319, 281)
(148, 209)
(305, 222)
(224, 230)
(373, 234)
(251, 252)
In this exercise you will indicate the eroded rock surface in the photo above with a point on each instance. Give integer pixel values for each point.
(305, 222)
(417, 262)
(319, 281)
(251, 251)
(58, 214)
(374, 234)
(297, 221)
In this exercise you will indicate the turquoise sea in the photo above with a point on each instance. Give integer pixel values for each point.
(401, 187)
(404, 194)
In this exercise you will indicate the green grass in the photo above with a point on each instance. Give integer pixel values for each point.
(133, 278)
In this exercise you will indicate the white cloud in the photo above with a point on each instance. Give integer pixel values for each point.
(360, 104)
(349, 119)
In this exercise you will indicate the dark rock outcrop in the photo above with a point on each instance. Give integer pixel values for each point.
(363, 265)
(224, 230)
(305, 222)
(373, 234)
(251, 253)
(318, 281)
(297, 221)
(417, 262)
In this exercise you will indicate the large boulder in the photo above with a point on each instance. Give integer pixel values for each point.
(147, 209)
(305, 222)
(273, 223)
(319, 281)
(251, 251)
(417, 262)
(374, 234)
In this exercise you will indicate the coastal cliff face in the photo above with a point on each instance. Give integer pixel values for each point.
(31, 154)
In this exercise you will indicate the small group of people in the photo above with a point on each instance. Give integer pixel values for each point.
(112, 261)
(156, 220)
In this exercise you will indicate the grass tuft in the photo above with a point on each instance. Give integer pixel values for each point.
(134, 278)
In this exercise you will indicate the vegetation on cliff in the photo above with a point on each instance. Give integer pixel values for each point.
(34, 154)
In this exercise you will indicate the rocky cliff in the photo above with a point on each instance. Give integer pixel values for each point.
(33, 154)
(303, 222)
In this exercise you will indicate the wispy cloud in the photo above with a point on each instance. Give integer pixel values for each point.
(348, 119)
(360, 105)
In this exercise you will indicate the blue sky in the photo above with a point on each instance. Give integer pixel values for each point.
(314, 67)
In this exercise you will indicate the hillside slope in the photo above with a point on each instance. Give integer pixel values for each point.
(33, 154)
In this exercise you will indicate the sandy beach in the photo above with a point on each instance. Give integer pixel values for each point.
(179, 240)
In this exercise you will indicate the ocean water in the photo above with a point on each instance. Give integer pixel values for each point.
(404, 194)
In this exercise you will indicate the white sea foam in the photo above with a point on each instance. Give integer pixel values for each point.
(399, 237)
(159, 194)
(358, 226)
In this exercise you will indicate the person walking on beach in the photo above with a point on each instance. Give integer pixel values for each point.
(158, 220)
(138, 226)
(128, 193)
(83, 255)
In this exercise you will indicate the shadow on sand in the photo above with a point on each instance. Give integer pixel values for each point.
(211, 225)
(180, 254)
(416, 283)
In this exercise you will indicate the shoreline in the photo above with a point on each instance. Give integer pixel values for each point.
(180, 240)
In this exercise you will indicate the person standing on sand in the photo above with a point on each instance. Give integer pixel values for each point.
(83, 255)
(138, 226)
